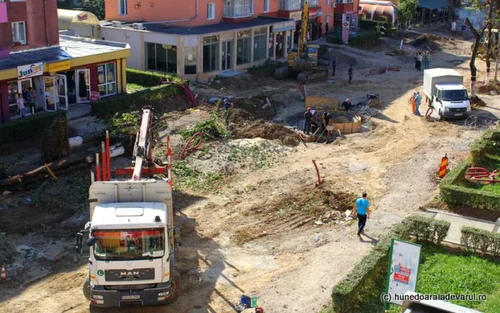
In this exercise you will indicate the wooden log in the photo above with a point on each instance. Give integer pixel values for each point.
(53, 166)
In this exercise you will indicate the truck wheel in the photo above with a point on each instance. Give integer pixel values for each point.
(86, 288)
(441, 117)
(175, 289)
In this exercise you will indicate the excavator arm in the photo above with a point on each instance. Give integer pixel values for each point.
(303, 30)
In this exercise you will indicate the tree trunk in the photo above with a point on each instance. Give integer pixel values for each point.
(472, 64)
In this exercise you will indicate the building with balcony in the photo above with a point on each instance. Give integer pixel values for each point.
(199, 39)
(58, 70)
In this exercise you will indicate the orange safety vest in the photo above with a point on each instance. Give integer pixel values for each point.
(413, 102)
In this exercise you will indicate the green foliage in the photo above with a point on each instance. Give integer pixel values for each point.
(426, 229)
(188, 177)
(267, 69)
(28, 127)
(482, 240)
(406, 10)
(155, 96)
(213, 127)
(364, 39)
(94, 6)
(148, 79)
(334, 38)
(442, 273)
(260, 158)
(486, 151)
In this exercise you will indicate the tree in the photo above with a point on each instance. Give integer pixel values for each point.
(491, 6)
(94, 6)
(406, 10)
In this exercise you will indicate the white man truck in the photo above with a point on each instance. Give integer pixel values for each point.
(131, 234)
(445, 92)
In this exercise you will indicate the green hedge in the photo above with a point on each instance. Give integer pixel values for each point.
(364, 39)
(481, 240)
(148, 79)
(334, 38)
(28, 127)
(486, 151)
(156, 97)
(426, 229)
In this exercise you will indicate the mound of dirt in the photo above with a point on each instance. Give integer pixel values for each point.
(426, 42)
(254, 108)
(491, 88)
(266, 130)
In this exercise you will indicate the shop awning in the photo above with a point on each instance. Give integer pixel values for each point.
(433, 4)
(68, 17)
(77, 51)
(373, 9)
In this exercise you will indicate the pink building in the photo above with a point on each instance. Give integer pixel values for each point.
(202, 38)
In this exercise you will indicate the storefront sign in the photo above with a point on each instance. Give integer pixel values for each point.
(296, 16)
(82, 17)
(281, 27)
(313, 13)
(59, 66)
(403, 269)
(31, 70)
(95, 96)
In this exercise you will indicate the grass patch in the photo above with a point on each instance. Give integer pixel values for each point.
(190, 178)
(458, 274)
(131, 87)
(213, 127)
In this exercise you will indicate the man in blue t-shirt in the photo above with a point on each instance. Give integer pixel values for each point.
(362, 209)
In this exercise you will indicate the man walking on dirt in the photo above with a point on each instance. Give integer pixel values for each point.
(362, 210)
(349, 72)
(418, 102)
(307, 123)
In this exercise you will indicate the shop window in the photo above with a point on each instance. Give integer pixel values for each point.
(259, 42)
(122, 7)
(244, 47)
(106, 78)
(210, 54)
(190, 58)
(19, 32)
(13, 88)
(290, 5)
(161, 58)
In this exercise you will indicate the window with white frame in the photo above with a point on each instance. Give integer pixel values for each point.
(19, 32)
(327, 2)
(266, 5)
(210, 11)
(106, 79)
(122, 7)
(290, 5)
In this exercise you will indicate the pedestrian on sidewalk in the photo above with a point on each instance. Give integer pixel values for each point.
(362, 211)
(308, 121)
(349, 72)
(334, 66)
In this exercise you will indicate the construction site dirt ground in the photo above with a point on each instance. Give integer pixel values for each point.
(265, 226)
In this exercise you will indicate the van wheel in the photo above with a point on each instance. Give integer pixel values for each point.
(86, 288)
(175, 289)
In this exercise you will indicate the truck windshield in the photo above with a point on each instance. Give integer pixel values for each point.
(455, 95)
(129, 244)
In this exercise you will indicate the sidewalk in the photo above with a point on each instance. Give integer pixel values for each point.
(457, 221)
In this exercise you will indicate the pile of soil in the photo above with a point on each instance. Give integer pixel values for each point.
(477, 102)
(492, 88)
(254, 108)
(426, 42)
(259, 128)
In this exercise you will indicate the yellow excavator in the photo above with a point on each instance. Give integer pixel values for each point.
(303, 61)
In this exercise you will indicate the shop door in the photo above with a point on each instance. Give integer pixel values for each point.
(62, 91)
(49, 83)
(226, 55)
(82, 86)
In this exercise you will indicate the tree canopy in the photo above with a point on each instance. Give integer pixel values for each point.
(94, 6)
(406, 10)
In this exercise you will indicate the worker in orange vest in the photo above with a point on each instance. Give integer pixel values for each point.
(413, 101)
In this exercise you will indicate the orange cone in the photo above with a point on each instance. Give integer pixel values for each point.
(4, 273)
(442, 167)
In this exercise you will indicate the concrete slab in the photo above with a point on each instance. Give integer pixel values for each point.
(458, 221)
(53, 253)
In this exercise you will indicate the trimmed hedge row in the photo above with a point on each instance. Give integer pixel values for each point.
(451, 190)
(426, 229)
(364, 39)
(108, 107)
(480, 239)
(360, 291)
(148, 79)
(28, 127)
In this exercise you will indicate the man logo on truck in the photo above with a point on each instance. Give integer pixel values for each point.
(129, 274)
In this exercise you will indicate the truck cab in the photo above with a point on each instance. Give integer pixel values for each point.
(131, 244)
(451, 101)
